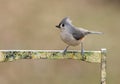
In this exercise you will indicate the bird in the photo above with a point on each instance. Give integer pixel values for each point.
(71, 35)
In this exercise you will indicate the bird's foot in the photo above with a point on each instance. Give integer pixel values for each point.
(82, 54)
(65, 50)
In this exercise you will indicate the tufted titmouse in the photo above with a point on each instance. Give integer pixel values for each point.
(72, 35)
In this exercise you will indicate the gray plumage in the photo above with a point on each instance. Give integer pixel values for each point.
(72, 35)
(68, 29)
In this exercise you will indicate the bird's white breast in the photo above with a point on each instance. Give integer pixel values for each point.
(69, 39)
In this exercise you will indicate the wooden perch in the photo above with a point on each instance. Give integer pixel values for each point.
(11, 55)
(90, 56)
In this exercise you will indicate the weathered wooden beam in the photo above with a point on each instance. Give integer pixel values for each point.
(90, 56)
(103, 66)
(11, 55)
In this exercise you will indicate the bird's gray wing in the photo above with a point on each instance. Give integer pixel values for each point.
(78, 34)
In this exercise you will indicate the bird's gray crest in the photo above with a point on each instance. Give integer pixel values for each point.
(65, 20)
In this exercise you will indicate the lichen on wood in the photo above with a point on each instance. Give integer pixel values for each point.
(11, 55)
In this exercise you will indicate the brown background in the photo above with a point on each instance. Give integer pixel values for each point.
(30, 24)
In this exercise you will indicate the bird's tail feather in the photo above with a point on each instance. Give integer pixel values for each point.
(93, 32)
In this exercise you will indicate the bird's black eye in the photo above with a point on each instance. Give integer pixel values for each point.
(63, 25)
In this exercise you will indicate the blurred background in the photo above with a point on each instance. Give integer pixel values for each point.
(30, 24)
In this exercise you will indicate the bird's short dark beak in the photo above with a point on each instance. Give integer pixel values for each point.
(57, 26)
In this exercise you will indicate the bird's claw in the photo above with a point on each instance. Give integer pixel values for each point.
(65, 50)
(82, 54)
